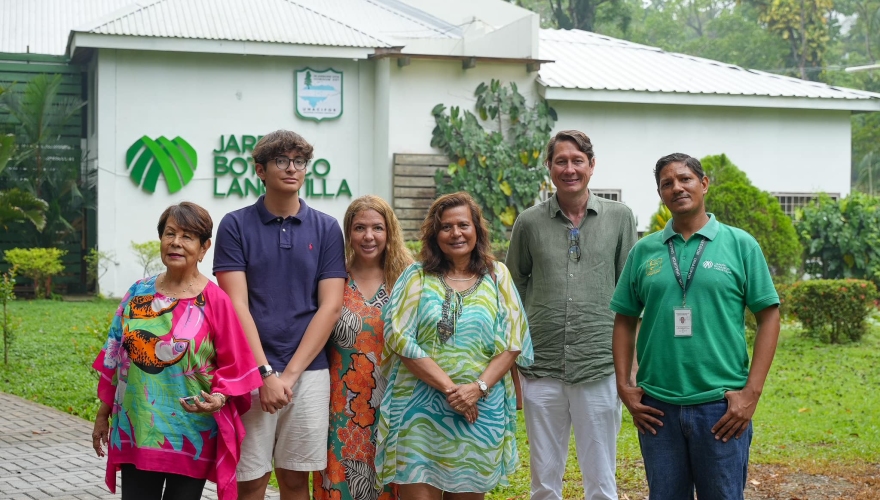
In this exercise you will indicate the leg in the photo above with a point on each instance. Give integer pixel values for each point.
(720, 468)
(419, 491)
(595, 417)
(141, 484)
(463, 496)
(301, 435)
(294, 484)
(255, 466)
(254, 489)
(178, 487)
(666, 456)
(548, 427)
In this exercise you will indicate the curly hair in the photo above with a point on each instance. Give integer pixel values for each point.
(277, 143)
(396, 257)
(433, 259)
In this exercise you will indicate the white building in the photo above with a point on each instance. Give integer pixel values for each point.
(217, 74)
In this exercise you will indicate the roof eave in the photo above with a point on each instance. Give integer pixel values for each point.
(80, 40)
(723, 100)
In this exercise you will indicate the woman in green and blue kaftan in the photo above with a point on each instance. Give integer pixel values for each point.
(426, 435)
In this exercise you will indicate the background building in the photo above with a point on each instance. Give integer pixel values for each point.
(179, 90)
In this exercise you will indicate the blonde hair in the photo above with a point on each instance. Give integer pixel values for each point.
(396, 257)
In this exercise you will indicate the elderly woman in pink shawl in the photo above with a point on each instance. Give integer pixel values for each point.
(176, 373)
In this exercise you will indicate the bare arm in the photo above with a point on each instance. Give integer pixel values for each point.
(273, 395)
(468, 394)
(741, 405)
(428, 371)
(623, 342)
(314, 340)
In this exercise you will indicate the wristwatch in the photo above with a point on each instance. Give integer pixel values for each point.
(483, 388)
(266, 370)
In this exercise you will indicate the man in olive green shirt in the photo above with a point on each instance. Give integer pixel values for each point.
(566, 255)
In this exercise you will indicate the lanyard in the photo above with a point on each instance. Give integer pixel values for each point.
(693, 269)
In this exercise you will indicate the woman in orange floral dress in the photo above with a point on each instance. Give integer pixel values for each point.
(375, 256)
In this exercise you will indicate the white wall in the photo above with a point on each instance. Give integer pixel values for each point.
(780, 150)
(200, 97)
(417, 88)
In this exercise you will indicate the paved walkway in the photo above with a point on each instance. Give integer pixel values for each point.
(45, 453)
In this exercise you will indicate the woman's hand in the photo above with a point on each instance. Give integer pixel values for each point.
(463, 399)
(211, 403)
(101, 431)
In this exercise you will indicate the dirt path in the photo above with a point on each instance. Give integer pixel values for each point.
(777, 482)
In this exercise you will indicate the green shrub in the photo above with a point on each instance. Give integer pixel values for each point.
(414, 247)
(735, 201)
(833, 311)
(499, 249)
(38, 264)
(841, 238)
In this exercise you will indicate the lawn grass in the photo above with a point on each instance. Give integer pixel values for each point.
(818, 411)
(52, 352)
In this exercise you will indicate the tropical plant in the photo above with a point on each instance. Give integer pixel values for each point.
(43, 164)
(15, 204)
(736, 202)
(842, 238)
(499, 166)
(38, 264)
(659, 219)
(148, 256)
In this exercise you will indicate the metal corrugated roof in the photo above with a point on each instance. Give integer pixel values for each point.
(274, 21)
(389, 20)
(42, 27)
(586, 60)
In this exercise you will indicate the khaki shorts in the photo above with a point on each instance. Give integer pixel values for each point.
(295, 436)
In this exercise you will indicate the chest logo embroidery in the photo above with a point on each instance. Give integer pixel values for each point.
(654, 266)
(717, 267)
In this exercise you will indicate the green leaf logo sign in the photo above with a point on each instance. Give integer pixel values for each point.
(173, 159)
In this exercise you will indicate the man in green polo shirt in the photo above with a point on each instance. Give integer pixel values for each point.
(565, 257)
(695, 393)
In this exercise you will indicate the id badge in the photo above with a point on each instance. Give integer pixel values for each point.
(683, 322)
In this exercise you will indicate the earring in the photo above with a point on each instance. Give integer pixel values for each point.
(200, 260)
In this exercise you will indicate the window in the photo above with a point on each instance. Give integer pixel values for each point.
(790, 202)
(608, 194)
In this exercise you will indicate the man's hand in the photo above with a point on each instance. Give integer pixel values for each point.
(643, 415)
(741, 407)
(274, 394)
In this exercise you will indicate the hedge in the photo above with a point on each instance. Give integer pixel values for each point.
(834, 311)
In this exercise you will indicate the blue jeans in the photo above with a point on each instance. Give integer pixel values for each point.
(684, 454)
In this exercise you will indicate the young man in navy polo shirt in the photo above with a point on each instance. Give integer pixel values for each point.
(283, 265)
(695, 390)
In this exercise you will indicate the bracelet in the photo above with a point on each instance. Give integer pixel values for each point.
(222, 398)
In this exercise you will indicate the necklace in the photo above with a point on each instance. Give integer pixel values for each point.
(460, 279)
(182, 292)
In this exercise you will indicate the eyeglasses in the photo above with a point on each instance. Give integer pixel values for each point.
(299, 163)
(574, 241)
